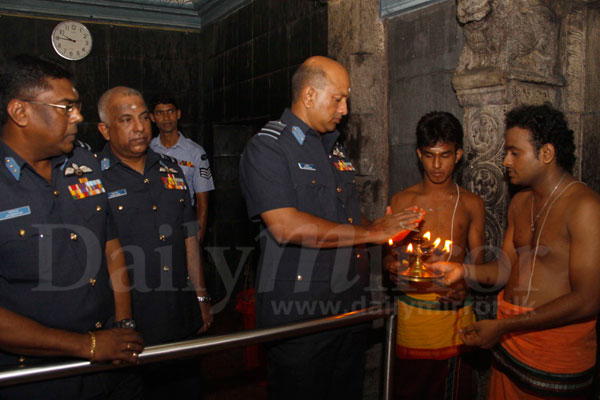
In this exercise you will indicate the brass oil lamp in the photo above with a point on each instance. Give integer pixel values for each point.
(415, 270)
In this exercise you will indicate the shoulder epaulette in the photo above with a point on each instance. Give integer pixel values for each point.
(168, 158)
(83, 145)
(272, 129)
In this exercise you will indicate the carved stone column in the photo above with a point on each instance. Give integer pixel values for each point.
(510, 58)
(356, 39)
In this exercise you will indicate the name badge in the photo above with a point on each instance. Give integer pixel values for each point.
(117, 193)
(307, 167)
(14, 213)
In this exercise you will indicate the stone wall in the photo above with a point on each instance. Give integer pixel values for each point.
(424, 48)
(357, 40)
(580, 97)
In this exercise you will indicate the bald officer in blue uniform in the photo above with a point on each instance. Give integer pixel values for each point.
(298, 181)
(157, 227)
(57, 238)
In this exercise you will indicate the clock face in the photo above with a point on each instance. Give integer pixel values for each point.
(71, 40)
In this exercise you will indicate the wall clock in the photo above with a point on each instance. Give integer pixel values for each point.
(72, 40)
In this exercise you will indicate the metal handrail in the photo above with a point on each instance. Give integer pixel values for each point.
(220, 342)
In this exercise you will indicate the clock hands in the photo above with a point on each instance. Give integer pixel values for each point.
(66, 38)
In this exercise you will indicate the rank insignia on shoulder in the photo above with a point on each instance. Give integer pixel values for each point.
(344, 165)
(338, 152)
(186, 163)
(166, 169)
(75, 169)
(307, 167)
(86, 188)
(173, 182)
(272, 129)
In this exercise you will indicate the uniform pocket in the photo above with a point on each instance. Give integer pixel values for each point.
(19, 249)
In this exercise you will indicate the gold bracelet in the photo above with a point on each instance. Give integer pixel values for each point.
(93, 346)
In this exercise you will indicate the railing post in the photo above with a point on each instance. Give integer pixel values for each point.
(389, 356)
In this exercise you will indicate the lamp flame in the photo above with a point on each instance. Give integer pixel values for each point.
(427, 235)
(390, 242)
(409, 248)
(437, 242)
(448, 246)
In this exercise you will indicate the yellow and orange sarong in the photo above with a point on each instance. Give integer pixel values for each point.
(428, 331)
(548, 363)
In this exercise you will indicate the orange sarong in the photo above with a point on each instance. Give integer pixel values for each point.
(548, 363)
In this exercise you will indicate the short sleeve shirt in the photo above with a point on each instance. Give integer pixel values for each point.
(52, 253)
(192, 159)
(287, 164)
(154, 216)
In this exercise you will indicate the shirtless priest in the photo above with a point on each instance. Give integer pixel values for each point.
(544, 337)
(429, 364)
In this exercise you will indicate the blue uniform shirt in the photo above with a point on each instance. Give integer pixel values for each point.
(154, 216)
(52, 252)
(287, 164)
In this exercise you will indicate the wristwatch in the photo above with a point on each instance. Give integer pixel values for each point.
(205, 299)
(126, 323)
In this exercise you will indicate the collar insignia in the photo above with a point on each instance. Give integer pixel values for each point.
(13, 167)
(298, 134)
(105, 164)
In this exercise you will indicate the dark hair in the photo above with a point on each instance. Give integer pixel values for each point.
(439, 127)
(307, 75)
(162, 99)
(24, 77)
(546, 125)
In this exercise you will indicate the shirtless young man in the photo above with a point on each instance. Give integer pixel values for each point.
(546, 323)
(428, 345)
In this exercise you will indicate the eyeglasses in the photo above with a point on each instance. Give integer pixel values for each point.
(69, 108)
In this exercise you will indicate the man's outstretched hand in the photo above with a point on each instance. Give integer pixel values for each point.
(396, 226)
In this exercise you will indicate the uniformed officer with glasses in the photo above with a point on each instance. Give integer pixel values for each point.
(55, 277)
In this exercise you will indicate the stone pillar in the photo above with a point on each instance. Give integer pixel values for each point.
(356, 39)
(580, 52)
(510, 58)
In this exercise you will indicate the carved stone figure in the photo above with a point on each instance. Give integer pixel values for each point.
(519, 36)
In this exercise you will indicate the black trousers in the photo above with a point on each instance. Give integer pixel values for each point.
(326, 365)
